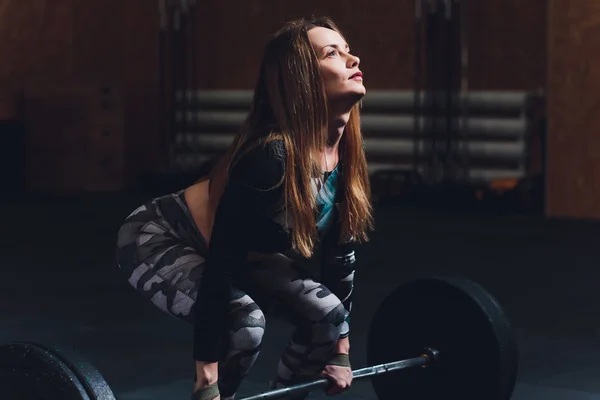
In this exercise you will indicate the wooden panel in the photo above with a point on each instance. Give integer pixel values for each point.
(35, 38)
(138, 29)
(139, 40)
(383, 37)
(55, 144)
(143, 144)
(51, 52)
(105, 137)
(573, 104)
(67, 148)
(97, 39)
(506, 41)
(507, 44)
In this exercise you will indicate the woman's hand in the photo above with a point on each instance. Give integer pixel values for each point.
(338, 370)
(340, 377)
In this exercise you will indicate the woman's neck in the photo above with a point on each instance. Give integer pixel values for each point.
(330, 156)
(335, 129)
(338, 118)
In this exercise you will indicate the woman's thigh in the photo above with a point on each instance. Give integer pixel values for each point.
(283, 288)
(164, 258)
(155, 252)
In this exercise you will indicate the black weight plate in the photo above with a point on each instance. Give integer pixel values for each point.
(30, 371)
(478, 352)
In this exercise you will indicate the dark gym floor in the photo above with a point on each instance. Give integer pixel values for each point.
(60, 285)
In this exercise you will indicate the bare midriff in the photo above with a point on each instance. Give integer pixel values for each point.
(196, 197)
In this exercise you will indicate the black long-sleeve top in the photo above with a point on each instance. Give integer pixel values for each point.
(248, 219)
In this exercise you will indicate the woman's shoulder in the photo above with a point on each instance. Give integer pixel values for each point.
(262, 163)
(263, 153)
(268, 150)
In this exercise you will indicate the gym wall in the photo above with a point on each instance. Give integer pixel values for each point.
(573, 170)
(504, 51)
(63, 62)
(71, 50)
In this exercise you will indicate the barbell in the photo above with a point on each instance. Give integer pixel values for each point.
(431, 338)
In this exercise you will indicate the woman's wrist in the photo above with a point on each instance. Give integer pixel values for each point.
(343, 346)
(207, 373)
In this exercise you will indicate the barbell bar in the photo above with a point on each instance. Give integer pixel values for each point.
(428, 357)
(457, 329)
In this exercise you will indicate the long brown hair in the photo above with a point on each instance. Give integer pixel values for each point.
(290, 104)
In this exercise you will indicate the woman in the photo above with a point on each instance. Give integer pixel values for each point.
(294, 177)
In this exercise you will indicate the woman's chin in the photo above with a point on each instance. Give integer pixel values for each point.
(347, 99)
(357, 95)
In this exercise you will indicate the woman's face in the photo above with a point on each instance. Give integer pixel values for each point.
(341, 75)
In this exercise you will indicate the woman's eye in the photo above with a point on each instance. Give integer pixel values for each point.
(332, 53)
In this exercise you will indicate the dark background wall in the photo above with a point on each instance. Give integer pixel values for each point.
(507, 48)
(573, 117)
(60, 57)
(65, 59)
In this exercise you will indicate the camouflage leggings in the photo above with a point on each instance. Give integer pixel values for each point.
(161, 251)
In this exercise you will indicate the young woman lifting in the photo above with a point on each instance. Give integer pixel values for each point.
(294, 177)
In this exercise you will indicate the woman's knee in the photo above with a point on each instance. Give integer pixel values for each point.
(317, 304)
(247, 323)
(324, 331)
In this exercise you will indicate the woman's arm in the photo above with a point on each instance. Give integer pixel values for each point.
(241, 226)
